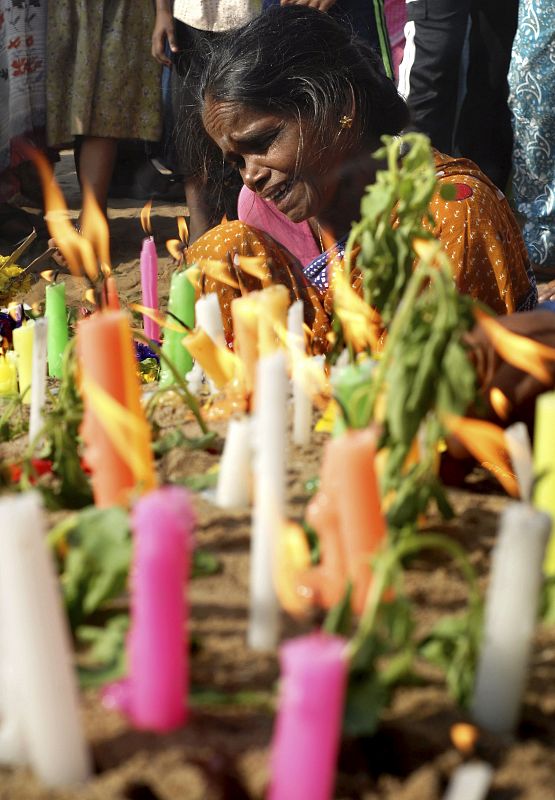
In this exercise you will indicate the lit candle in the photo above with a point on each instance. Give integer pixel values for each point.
(38, 384)
(39, 648)
(269, 498)
(308, 725)
(209, 317)
(149, 284)
(272, 318)
(244, 312)
(23, 346)
(181, 305)
(8, 376)
(346, 514)
(510, 617)
(544, 467)
(520, 451)
(234, 477)
(163, 523)
(470, 781)
(120, 457)
(58, 335)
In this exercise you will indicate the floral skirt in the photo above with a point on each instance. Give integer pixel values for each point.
(101, 78)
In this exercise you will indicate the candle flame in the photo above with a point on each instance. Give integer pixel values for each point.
(183, 230)
(519, 351)
(487, 443)
(163, 321)
(145, 217)
(500, 403)
(76, 249)
(89, 296)
(218, 270)
(48, 275)
(292, 560)
(362, 325)
(255, 266)
(464, 736)
(175, 249)
(94, 226)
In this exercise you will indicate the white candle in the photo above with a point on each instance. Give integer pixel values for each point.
(302, 401)
(269, 497)
(520, 450)
(39, 647)
(510, 617)
(208, 317)
(470, 782)
(234, 478)
(38, 382)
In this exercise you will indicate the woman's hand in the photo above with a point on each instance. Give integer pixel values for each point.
(320, 5)
(163, 29)
(546, 291)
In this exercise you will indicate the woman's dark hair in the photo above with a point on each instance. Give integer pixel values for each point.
(301, 63)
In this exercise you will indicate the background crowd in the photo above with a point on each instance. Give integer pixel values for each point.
(116, 80)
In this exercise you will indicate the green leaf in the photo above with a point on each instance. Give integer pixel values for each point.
(367, 696)
(96, 566)
(198, 483)
(177, 438)
(205, 564)
(105, 652)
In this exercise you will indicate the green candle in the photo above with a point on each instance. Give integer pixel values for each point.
(544, 467)
(182, 305)
(58, 335)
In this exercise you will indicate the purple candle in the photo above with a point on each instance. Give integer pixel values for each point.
(149, 283)
(163, 522)
(308, 727)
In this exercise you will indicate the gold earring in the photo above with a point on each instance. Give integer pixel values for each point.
(346, 122)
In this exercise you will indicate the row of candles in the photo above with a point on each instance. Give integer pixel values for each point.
(314, 667)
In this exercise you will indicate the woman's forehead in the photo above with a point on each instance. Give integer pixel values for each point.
(235, 119)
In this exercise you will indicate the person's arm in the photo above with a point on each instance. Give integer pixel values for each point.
(163, 29)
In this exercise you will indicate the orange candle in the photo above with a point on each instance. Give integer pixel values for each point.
(115, 431)
(346, 514)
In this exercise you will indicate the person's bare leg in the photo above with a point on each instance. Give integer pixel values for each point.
(97, 159)
(203, 215)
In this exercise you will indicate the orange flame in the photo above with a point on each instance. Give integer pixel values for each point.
(218, 270)
(464, 736)
(361, 324)
(519, 351)
(175, 249)
(292, 560)
(500, 403)
(183, 230)
(145, 217)
(76, 249)
(487, 443)
(48, 275)
(89, 296)
(94, 226)
(254, 265)
(161, 319)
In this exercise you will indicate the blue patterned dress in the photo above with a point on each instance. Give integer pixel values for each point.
(532, 101)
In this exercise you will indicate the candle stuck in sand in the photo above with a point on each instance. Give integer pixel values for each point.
(181, 309)
(23, 345)
(58, 335)
(149, 284)
(38, 384)
(308, 725)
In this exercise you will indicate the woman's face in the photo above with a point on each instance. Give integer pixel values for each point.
(277, 159)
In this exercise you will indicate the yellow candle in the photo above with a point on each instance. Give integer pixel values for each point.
(272, 318)
(8, 376)
(244, 311)
(23, 346)
(544, 467)
(218, 363)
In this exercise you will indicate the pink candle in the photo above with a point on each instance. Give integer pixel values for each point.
(149, 283)
(158, 642)
(308, 727)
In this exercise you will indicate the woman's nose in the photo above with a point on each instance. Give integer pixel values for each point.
(255, 175)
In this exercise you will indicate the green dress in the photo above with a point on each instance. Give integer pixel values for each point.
(101, 77)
